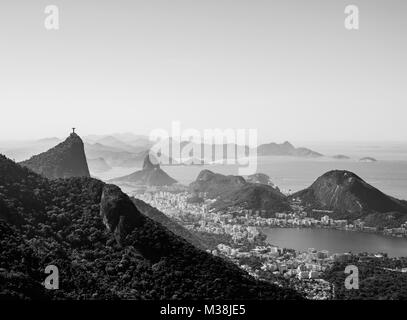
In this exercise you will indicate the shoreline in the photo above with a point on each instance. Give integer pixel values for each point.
(357, 251)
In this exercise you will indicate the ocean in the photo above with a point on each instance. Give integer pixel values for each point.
(291, 174)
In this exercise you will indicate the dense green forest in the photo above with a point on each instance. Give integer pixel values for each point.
(379, 278)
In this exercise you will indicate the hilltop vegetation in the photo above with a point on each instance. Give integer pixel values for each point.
(150, 175)
(350, 197)
(167, 222)
(379, 279)
(103, 246)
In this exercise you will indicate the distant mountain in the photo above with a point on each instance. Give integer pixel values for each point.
(261, 178)
(126, 139)
(285, 149)
(103, 247)
(114, 157)
(215, 184)
(348, 196)
(53, 140)
(150, 175)
(340, 157)
(111, 141)
(367, 159)
(98, 165)
(65, 160)
(235, 191)
(126, 150)
(193, 153)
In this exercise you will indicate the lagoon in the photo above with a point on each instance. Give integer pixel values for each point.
(335, 241)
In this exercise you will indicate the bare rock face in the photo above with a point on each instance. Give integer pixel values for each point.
(66, 160)
(119, 213)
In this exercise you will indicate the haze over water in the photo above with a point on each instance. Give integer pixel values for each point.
(296, 174)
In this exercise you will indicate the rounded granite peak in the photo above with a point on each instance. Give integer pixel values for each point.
(65, 160)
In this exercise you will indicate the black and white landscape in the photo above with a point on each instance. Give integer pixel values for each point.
(203, 150)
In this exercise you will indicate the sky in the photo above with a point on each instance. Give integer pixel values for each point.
(287, 68)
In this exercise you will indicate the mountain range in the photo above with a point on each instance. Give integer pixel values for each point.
(129, 150)
(171, 225)
(260, 178)
(342, 194)
(98, 165)
(104, 247)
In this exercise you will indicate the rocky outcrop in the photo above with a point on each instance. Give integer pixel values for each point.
(65, 160)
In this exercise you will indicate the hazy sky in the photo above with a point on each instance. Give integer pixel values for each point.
(288, 68)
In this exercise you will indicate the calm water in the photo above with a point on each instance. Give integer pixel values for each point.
(336, 241)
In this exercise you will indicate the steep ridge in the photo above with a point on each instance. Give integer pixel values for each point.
(65, 160)
(346, 193)
(103, 246)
